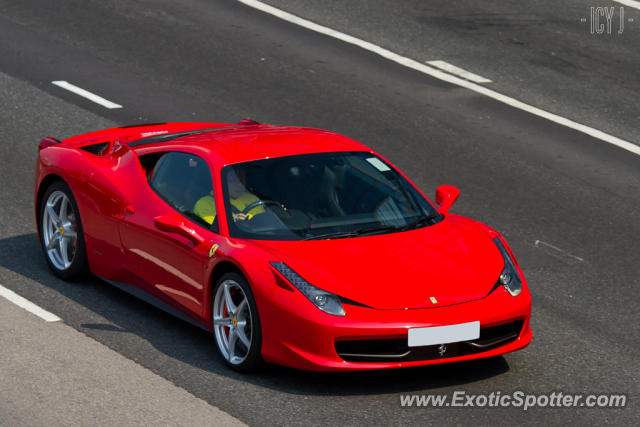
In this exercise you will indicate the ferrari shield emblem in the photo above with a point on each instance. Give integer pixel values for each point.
(213, 250)
(433, 300)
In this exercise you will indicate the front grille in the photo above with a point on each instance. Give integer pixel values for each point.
(397, 350)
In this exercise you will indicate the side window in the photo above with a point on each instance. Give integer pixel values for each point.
(184, 181)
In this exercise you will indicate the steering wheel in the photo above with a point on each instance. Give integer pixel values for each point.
(257, 203)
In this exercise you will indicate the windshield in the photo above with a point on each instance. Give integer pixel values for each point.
(320, 196)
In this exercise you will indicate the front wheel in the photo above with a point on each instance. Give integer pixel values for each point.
(61, 232)
(236, 325)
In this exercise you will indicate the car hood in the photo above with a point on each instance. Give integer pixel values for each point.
(451, 262)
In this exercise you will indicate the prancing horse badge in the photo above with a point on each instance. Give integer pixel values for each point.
(213, 250)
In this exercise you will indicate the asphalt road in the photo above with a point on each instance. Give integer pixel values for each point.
(541, 52)
(221, 61)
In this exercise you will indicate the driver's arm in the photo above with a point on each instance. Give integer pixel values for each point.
(241, 217)
(242, 202)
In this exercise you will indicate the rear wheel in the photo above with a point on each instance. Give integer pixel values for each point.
(236, 326)
(61, 232)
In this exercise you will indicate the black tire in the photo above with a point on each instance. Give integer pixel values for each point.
(251, 358)
(78, 267)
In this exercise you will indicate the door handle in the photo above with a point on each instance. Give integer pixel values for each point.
(173, 223)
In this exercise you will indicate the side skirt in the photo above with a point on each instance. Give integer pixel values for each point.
(156, 302)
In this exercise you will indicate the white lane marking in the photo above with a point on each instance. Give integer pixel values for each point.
(539, 243)
(630, 3)
(410, 63)
(86, 94)
(450, 68)
(28, 305)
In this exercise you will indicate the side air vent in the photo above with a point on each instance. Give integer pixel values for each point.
(141, 125)
(248, 122)
(99, 149)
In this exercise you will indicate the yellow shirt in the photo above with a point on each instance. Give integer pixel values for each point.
(205, 208)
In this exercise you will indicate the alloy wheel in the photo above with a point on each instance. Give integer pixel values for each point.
(232, 322)
(59, 230)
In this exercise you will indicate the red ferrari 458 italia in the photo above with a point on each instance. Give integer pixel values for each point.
(293, 246)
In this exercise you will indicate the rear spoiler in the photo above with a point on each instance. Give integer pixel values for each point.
(48, 142)
(143, 133)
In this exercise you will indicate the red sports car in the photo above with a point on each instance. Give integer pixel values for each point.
(294, 246)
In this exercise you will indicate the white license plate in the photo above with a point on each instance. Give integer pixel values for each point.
(444, 334)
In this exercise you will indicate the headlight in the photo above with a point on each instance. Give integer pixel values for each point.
(325, 301)
(509, 278)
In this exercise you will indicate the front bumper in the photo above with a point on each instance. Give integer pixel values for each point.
(297, 334)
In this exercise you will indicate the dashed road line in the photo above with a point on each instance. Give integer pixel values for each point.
(441, 75)
(450, 68)
(630, 3)
(539, 243)
(86, 94)
(28, 305)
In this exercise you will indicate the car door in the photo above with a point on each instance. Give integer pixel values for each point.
(167, 247)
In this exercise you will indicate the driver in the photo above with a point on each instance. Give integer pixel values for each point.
(239, 198)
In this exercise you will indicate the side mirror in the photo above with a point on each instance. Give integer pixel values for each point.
(445, 196)
(174, 223)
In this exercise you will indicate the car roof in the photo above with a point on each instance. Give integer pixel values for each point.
(237, 144)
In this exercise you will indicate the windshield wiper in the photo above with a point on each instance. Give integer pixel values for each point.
(377, 228)
(336, 235)
(418, 222)
(353, 233)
